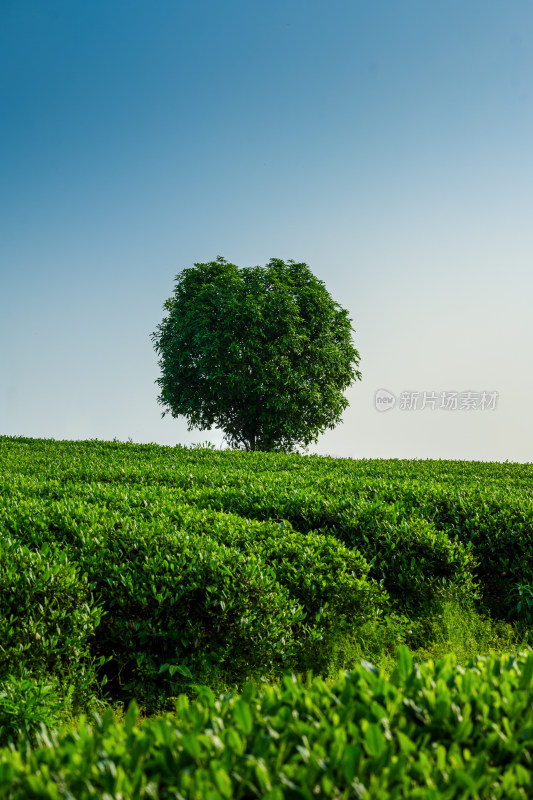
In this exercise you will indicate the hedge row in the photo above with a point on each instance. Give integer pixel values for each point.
(170, 565)
(429, 732)
(172, 595)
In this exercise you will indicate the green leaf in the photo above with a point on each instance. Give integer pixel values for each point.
(181, 669)
(405, 661)
(526, 674)
(374, 740)
(191, 745)
(222, 780)
(243, 716)
(132, 716)
(350, 764)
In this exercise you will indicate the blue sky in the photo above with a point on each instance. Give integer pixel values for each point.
(387, 144)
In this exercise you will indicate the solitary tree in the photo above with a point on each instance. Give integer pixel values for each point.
(263, 353)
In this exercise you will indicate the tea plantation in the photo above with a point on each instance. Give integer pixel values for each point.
(190, 623)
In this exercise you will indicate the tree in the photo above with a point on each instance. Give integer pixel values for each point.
(263, 353)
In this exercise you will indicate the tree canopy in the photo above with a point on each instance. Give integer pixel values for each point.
(262, 353)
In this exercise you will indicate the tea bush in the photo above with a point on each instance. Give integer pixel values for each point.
(166, 567)
(28, 703)
(430, 731)
(48, 616)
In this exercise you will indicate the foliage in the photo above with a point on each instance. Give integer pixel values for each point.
(47, 615)
(263, 353)
(158, 568)
(433, 731)
(26, 704)
(520, 603)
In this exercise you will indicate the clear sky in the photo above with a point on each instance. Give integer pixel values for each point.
(386, 143)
